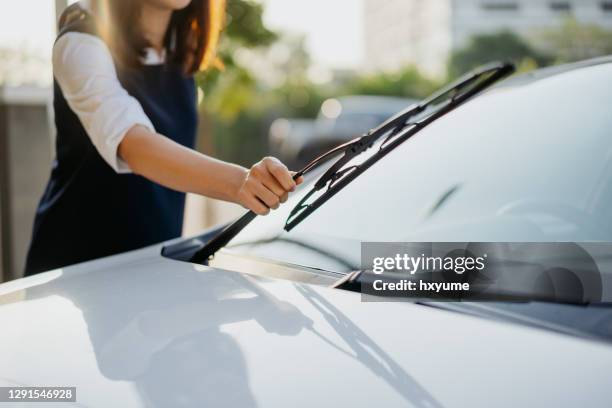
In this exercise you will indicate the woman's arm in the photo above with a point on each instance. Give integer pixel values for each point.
(126, 139)
(166, 162)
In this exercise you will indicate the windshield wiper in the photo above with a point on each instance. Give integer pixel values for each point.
(229, 232)
(448, 98)
(396, 130)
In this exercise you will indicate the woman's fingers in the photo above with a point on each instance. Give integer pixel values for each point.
(270, 182)
(280, 173)
(262, 193)
(252, 203)
(267, 185)
(299, 180)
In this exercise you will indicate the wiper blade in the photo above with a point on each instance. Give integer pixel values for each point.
(413, 119)
(452, 96)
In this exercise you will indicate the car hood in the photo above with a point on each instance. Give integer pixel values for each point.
(141, 330)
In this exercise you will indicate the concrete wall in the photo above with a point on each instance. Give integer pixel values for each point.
(25, 158)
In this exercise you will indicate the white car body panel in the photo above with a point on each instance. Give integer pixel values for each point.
(140, 330)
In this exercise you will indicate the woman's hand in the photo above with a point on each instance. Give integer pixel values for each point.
(266, 185)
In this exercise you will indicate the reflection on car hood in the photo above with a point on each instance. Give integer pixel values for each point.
(140, 330)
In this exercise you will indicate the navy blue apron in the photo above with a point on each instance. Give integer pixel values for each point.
(88, 210)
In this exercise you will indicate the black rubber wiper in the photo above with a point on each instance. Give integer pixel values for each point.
(396, 130)
(448, 98)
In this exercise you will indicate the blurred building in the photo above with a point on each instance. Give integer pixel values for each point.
(424, 32)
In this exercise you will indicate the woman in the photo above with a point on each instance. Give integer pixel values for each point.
(125, 113)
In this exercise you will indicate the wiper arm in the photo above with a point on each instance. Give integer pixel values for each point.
(229, 232)
(446, 100)
(451, 96)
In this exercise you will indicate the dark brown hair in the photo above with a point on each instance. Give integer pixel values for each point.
(193, 32)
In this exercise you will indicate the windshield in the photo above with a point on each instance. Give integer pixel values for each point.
(526, 162)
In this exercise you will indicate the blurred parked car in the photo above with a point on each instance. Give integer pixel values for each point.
(296, 141)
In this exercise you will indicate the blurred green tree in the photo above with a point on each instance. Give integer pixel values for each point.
(229, 81)
(503, 46)
(574, 41)
(244, 24)
(296, 96)
(244, 106)
(407, 82)
(228, 90)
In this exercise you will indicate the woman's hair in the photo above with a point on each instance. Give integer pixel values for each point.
(191, 39)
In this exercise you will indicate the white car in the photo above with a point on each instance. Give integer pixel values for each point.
(264, 322)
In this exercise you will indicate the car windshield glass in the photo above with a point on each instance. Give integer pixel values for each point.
(530, 161)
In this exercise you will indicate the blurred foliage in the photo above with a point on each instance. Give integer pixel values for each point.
(231, 128)
(244, 24)
(243, 28)
(239, 106)
(574, 41)
(407, 82)
(239, 109)
(501, 46)
(299, 100)
(571, 41)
